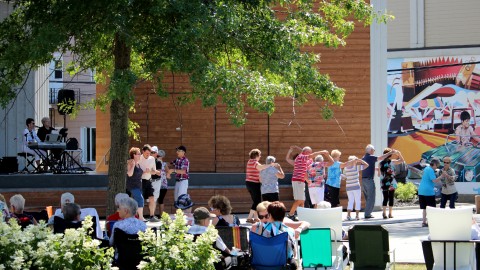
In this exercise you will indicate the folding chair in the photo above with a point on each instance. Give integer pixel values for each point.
(369, 247)
(235, 237)
(29, 161)
(316, 248)
(450, 233)
(269, 253)
(129, 250)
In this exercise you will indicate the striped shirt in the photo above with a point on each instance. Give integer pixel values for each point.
(352, 174)
(253, 175)
(300, 167)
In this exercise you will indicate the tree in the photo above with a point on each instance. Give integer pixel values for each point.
(237, 52)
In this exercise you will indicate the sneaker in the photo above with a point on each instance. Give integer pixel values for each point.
(424, 224)
(292, 217)
(357, 218)
(349, 218)
(154, 219)
(385, 217)
(367, 217)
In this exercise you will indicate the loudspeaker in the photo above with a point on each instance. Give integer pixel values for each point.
(8, 165)
(65, 96)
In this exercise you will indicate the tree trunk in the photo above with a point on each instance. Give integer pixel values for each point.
(117, 167)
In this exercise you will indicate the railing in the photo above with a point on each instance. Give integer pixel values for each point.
(53, 95)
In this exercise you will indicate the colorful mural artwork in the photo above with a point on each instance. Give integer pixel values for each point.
(433, 111)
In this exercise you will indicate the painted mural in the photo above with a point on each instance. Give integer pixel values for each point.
(434, 110)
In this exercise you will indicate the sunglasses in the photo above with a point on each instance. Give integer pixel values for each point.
(446, 162)
(262, 217)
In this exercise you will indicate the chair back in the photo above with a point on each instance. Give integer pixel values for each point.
(60, 225)
(128, 248)
(369, 246)
(109, 226)
(268, 252)
(234, 237)
(323, 218)
(316, 248)
(450, 225)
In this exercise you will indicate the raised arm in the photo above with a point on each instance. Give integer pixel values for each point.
(399, 159)
(289, 153)
(384, 156)
(280, 174)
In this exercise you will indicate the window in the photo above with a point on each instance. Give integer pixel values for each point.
(88, 144)
(58, 69)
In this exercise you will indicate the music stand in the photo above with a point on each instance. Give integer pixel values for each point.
(63, 132)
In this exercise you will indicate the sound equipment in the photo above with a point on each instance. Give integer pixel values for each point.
(8, 165)
(48, 145)
(65, 96)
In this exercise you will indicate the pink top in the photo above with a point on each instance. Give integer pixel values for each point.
(300, 167)
(464, 133)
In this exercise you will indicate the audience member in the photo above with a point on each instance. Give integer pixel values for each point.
(220, 206)
(269, 179)
(134, 180)
(426, 192)
(67, 198)
(184, 202)
(116, 216)
(202, 219)
(352, 185)
(71, 212)
(148, 165)
(159, 180)
(448, 178)
(316, 177)
(17, 204)
(128, 223)
(4, 208)
(252, 182)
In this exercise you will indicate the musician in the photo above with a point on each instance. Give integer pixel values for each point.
(42, 132)
(30, 136)
(45, 129)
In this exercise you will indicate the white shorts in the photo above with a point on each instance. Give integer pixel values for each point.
(298, 190)
(157, 185)
(316, 194)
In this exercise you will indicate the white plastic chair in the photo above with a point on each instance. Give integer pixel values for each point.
(450, 232)
(327, 218)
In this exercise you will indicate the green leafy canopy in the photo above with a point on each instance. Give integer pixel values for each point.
(238, 52)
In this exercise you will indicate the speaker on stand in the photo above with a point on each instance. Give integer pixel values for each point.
(65, 96)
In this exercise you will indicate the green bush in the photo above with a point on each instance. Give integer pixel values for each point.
(405, 192)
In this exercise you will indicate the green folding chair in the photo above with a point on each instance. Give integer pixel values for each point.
(316, 248)
(369, 247)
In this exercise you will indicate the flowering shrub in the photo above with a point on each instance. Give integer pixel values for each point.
(173, 248)
(37, 247)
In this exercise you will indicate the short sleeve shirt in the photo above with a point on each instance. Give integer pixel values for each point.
(300, 168)
(316, 174)
(269, 180)
(369, 172)
(427, 186)
(182, 164)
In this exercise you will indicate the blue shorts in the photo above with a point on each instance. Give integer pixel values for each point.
(137, 196)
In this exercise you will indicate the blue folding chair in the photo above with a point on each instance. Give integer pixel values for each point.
(269, 253)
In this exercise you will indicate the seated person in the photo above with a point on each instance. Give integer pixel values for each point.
(127, 208)
(45, 129)
(68, 197)
(202, 218)
(17, 204)
(220, 206)
(298, 226)
(71, 212)
(30, 136)
(465, 131)
(116, 215)
(4, 208)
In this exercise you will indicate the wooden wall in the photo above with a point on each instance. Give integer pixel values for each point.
(214, 145)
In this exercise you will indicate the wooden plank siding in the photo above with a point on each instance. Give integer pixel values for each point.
(215, 145)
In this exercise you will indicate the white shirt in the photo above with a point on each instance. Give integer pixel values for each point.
(147, 163)
(197, 229)
(83, 213)
(29, 136)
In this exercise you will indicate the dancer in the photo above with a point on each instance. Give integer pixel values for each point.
(252, 182)
(316, 177)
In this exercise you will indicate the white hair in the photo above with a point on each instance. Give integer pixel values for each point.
(324, 205)
(161, 153)
(45, 119)
(369, 148)
(129, 204)
(18, 202)
(120, 196)
(306, 148)
(67, 197)
(352, 158)
(319, 158)
(270, 160)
